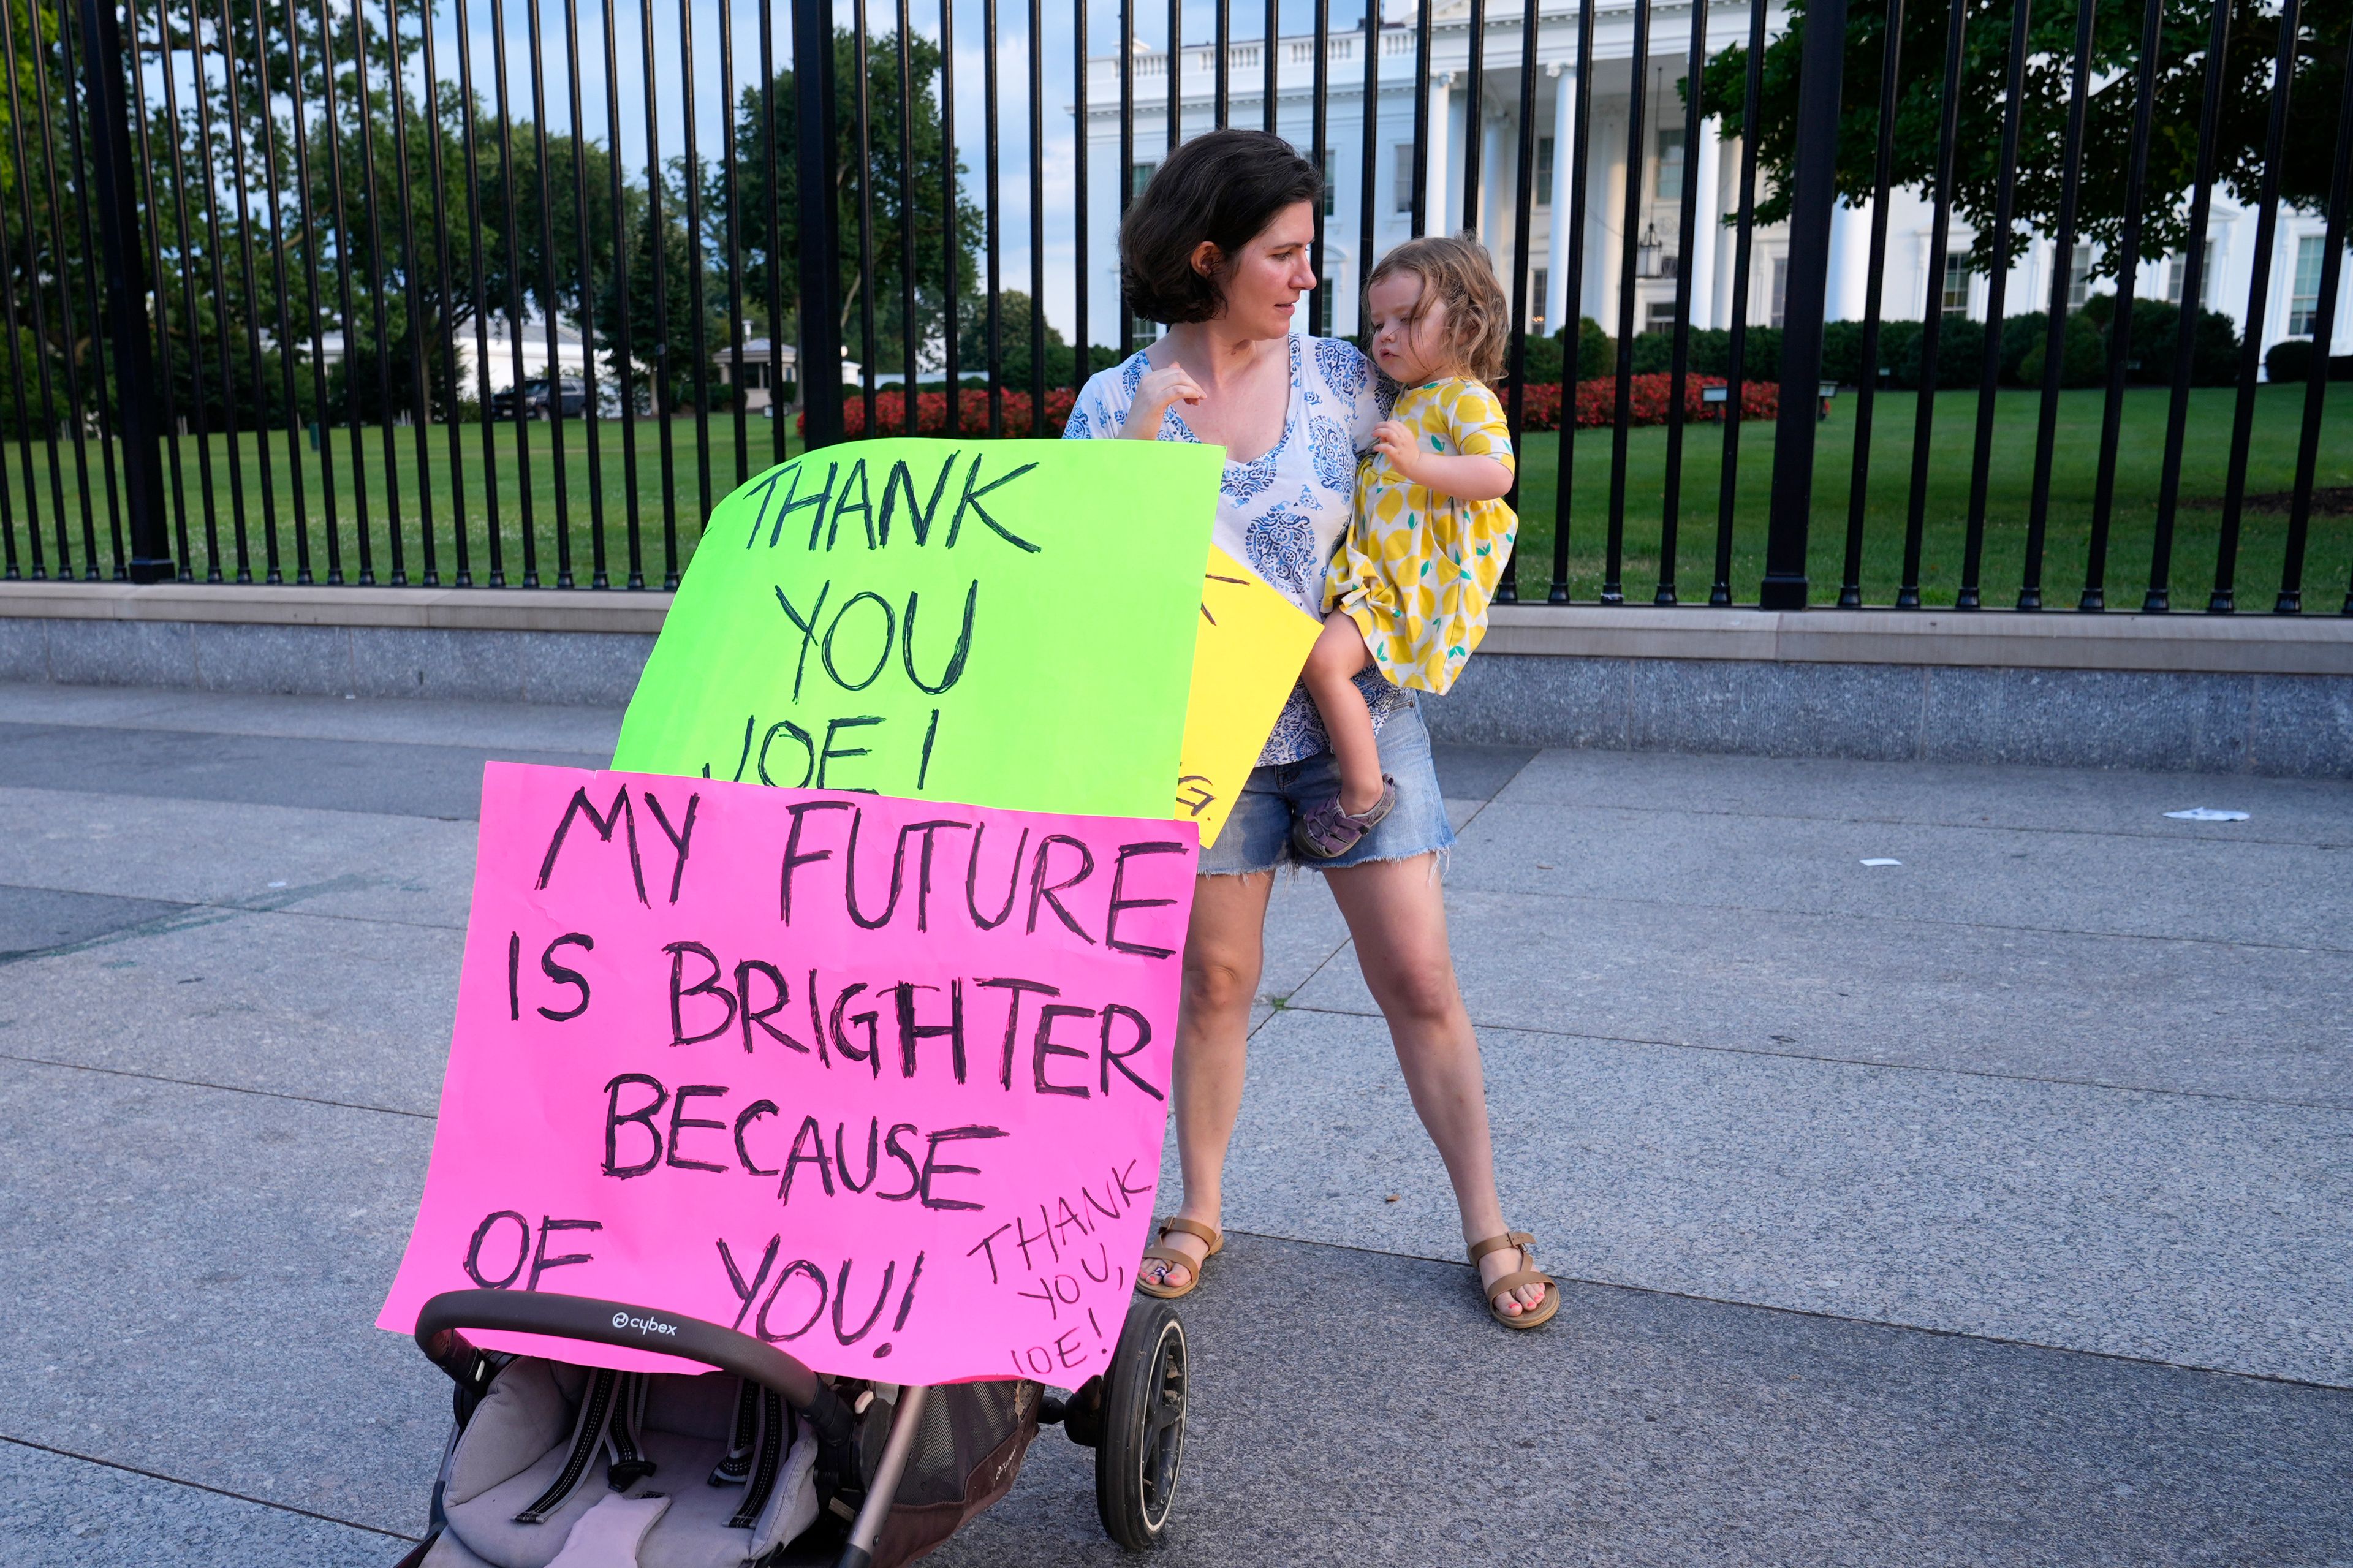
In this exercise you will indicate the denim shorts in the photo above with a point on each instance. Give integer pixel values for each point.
(1257, 836)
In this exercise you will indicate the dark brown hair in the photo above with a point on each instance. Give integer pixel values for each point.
(1454, 270)
(1224, 187)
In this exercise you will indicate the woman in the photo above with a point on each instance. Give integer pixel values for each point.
(1217, 247)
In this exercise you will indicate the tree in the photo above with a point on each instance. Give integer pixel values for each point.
(2183, 33)
(895, 201)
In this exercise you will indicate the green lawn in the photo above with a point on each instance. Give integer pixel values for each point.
(2328, 565)
(685, 465)
(2271, 470)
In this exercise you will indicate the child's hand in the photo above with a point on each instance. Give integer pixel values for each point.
(1153, 394)
(1396, 442)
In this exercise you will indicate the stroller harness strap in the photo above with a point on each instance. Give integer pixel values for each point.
(624, 1434)
(587, 1435)
(776, 1437)
(742, 1436)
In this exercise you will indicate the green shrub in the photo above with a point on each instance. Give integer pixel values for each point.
(2083, 355)
(2289, 360)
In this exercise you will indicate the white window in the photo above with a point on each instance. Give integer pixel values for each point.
(1671, 165)
(1143, 172)
(1403, 179)
(1543, 172)
(2176, 269)
(1780, 289)
(1660, 316)
(1326, 296)
(2079, 277)
(1538, 295)
(2304, 288)
(1955, 298)
(1330, 180)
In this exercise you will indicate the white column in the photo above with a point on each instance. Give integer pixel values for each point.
(1849, 262)
(1706, 231)
(1563, 152)
(1437, 206)
(1493, 182)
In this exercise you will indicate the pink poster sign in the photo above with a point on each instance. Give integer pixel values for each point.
(881, 1081)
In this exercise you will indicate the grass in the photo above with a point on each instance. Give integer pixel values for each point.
(2271, 470)
(551, 548)
(2262, 545)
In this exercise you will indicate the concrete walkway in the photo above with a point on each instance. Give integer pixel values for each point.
(1984, 1207)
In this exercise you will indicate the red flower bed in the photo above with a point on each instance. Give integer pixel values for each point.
(1597, 401)
(932, 413)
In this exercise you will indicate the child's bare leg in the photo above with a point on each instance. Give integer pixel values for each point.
(1331, 666)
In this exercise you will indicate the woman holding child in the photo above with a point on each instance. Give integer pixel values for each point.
(1375, 495)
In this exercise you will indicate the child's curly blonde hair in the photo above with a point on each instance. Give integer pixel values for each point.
(1454, 269)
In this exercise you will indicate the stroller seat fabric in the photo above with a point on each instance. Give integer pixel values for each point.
(550, 1440)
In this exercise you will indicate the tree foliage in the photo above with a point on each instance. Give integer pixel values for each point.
(2183, 35)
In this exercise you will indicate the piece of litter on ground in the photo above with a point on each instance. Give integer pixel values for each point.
(2207, 814)
(1542, 867)
(277, 884)
(1390, 1199)
(1882, 862)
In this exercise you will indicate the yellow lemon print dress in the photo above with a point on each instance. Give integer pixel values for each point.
(1419, 569)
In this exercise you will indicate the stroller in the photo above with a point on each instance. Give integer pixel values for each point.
(761, 1463)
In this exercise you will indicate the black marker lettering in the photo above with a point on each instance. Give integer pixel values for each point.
(972, 879)
(1013, 1015)
(808, 753)
(932, 1168)
(811, 1137)
(931, 733)
(971, 502)
(751, 1016)
(826, 753)
(563, 975)
(871, 1055)
(797, 1266)
(1118, 879)
(541, 1262)
(744, 1120)
(515, 976)
(1044, 1047)
(862, 504)
(620, 811)
(808, 625)
(743, 1292)
(710, 984)
(954, 670)
(1043, 891)
(891, 1147)
(794, 860)
(881, 654)
(1112, 1058)
(679, 836)
(481, 1234)
(919, 517)
(842, 1295)
(911, 1031)
(643, 1116)
(841, 1157)
(679, 1123)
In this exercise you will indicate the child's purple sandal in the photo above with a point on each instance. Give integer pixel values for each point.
(1325, 832)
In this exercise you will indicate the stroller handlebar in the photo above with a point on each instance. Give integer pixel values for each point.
(633, 1328)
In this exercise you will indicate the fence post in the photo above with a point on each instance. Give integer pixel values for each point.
(126, 293)
(1813, 193)
(818, 365)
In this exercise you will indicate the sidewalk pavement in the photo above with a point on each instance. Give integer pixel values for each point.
(1983, 1207)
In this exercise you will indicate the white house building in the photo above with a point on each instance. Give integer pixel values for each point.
(1670, 175)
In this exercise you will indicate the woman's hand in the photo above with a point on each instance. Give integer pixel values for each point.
(1154, 396)
(1396, 442)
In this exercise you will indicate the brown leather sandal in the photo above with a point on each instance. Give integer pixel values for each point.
(1169, 1255)
(1527, 1317)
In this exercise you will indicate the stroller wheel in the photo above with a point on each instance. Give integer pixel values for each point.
(1143, 1427)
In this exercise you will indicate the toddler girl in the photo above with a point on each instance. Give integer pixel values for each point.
(1409, 588)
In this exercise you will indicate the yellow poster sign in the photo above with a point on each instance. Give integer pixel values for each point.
(1248, 649)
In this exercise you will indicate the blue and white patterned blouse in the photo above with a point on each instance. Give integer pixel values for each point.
(1285, 513)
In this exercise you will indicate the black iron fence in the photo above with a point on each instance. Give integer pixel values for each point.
(1987, 300)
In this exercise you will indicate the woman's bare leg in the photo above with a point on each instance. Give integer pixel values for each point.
(1397, 913)
(1331, 680)
(1224, 949)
